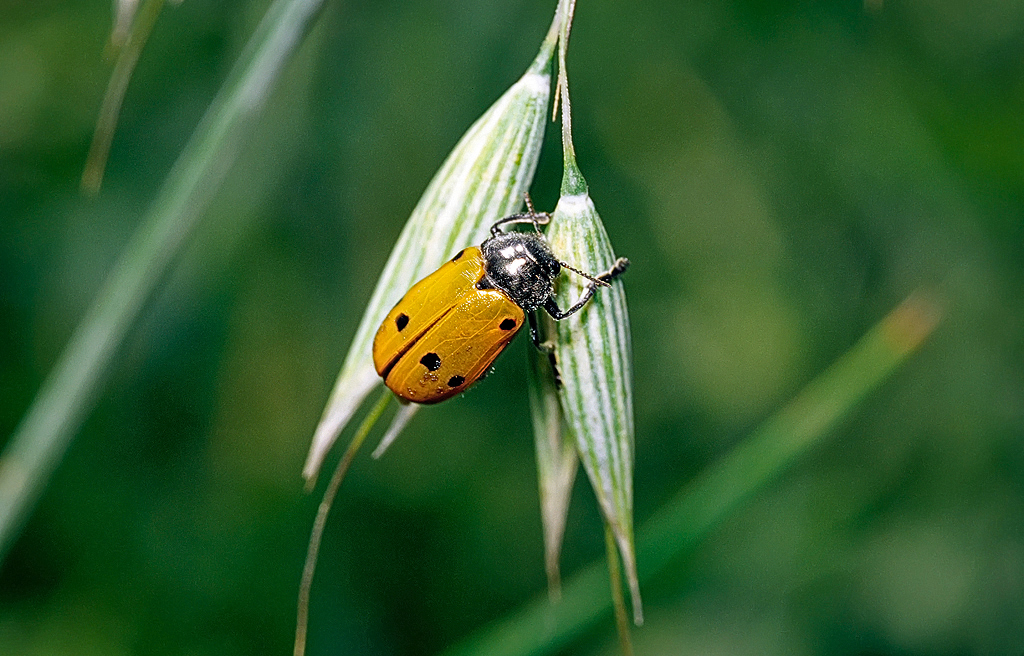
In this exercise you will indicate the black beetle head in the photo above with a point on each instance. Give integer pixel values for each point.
(521, 265)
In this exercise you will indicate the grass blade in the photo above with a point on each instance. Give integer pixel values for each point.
(74, 383)
(543, 628)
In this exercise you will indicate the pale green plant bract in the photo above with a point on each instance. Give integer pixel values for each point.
(594, 356)
(483, 179)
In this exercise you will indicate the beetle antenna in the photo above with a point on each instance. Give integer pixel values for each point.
(589, 277)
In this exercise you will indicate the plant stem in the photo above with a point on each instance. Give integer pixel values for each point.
(106, 122)
(573, 182)
(317, 534)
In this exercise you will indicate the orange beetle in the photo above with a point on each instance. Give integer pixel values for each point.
(448, 329)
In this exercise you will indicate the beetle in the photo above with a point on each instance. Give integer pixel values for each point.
(449, 327)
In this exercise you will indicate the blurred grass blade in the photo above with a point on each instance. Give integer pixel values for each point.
(483, 179)
(557, 461)
(129, 35)
(788, 433)
(540, 628)
(74, 383)
(124, 18)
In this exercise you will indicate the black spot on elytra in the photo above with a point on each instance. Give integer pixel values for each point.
(431, 361)
(401, 321)
(458, 255)
(455, 381)
(508, 324)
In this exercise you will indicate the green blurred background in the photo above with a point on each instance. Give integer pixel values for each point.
(781, 174)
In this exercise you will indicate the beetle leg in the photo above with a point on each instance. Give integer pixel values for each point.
(535, 335)
(617, 270)
(536, 218)
(554, 369)
(557, 314)
(546, 347)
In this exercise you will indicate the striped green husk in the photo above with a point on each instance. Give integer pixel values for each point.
(483, 179)
(557, 461)
(594, 356)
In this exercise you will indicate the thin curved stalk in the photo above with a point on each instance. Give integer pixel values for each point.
(106, 123)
